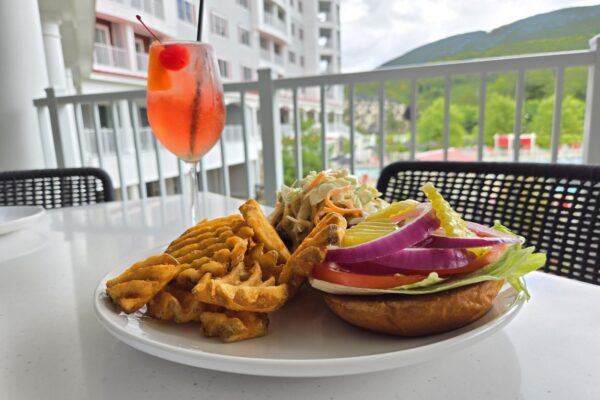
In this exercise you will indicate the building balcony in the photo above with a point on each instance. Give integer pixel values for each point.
(325, 17)
(153, 7)
(110, 56)
(265, 54)
(274, 21)
(278, 58)
(326, 44)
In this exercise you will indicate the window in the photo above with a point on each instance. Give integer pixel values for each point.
(300, 6)
(244, 36)
(264, 43)
(224, 68)
(292, 57)
(301, 34)
(219, 25)
(247, 73)
(302, 61)
(140, 48)
(102, 34)
(243, 3)
(185, 11)
(293, 27)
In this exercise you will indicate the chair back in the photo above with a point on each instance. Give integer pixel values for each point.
(555, 207)
(54, 188)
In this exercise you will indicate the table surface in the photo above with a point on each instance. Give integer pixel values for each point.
(52, 347)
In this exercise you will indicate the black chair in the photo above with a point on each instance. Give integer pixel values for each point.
(55, 188)
(554, 206)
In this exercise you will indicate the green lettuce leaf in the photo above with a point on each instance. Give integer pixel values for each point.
(512, 265)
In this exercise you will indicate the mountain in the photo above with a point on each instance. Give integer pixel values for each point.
(566, 29)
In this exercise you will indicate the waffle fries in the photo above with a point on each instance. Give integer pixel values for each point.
(176, 304)
(233, 326)
(226, 274)
(142, 281)
(242, 290)
(329, 232)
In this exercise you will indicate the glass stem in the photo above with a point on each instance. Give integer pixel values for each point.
(193, 176)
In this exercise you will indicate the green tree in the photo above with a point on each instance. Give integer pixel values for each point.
(470, 117)
(499, 116)
(571, 122)
(311, 151)
(430, 127)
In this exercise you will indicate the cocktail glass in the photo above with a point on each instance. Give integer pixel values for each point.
(185, 103)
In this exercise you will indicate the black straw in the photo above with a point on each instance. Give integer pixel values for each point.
(200, 12)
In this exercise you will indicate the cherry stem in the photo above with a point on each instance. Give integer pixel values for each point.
(139, 18)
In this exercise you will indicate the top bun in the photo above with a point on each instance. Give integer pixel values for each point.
(416, 315)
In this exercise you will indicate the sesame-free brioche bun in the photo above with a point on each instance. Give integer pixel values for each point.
(416, 315)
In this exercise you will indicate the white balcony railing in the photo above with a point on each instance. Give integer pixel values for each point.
(265, 54)
(278, 58)
(110, 56)
(267, 92)
(274, 21)
(325, 17)
(326, 43)
(142, 61)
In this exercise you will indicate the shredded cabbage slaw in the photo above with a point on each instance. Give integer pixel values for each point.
(303, 204)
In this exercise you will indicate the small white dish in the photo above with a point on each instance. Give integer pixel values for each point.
(13, 218)
(305, 339)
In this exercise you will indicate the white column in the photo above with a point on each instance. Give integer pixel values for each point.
(23, 79)
(57, 78)
(129, 44)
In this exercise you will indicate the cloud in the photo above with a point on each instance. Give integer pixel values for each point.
(375, 31)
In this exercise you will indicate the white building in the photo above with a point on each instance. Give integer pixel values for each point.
(292, 37)
(106, 50)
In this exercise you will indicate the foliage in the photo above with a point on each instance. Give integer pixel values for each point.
(430, 128)
(499, 116)
(311, 151)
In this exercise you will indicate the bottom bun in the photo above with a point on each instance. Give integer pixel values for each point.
(416, 315)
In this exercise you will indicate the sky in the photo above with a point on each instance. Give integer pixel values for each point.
(375, 31)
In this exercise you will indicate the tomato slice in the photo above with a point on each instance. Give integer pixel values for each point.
(332, 273)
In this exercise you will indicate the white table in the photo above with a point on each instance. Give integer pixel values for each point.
(52, 347)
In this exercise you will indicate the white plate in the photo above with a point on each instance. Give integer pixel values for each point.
(305, 339)
(13, 218)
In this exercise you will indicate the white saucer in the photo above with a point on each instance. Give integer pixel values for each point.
(13, 218)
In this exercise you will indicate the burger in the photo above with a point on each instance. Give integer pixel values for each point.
(417, 268)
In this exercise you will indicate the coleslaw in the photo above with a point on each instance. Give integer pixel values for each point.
(302, 205)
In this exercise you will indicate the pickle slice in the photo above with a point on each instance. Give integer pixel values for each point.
(394, 209)
(450, 220)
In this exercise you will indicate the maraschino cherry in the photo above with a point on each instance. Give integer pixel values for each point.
(174, 56)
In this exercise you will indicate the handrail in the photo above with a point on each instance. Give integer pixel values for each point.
(266, 93)
(419, 71)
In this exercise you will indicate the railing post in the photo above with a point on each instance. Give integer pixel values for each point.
(591, 127)
(271, 136)
(55, 125)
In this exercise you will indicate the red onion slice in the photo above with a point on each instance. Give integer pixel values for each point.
(412, 261)
(409, 234)
(445, 242)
